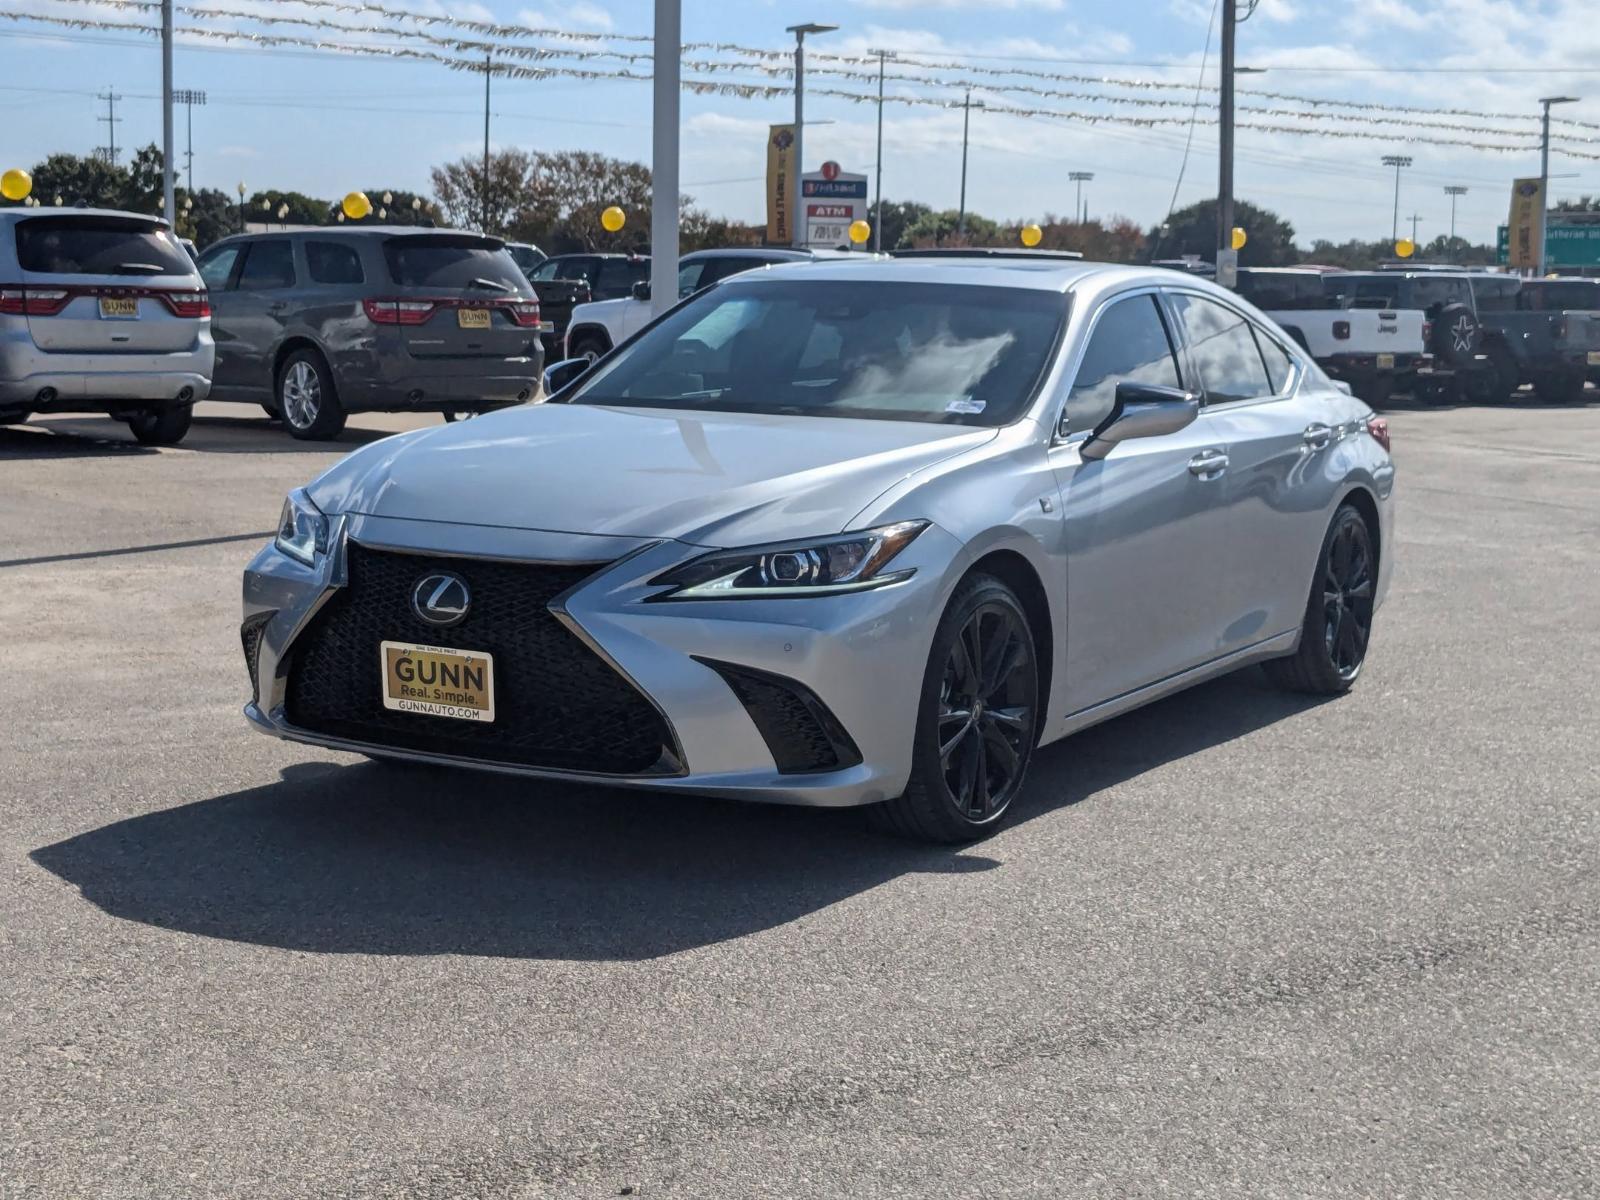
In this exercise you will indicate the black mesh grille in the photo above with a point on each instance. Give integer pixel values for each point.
(557, 703)
(250, 634)
(800, 731)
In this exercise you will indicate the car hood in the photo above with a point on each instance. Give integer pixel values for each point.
(714, 479)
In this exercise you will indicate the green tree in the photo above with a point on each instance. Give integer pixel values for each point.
(940, 229)
(898, 216)
(568, 192)
(459, 190)
(86, 182)
(1193, 230)
(1120, 240)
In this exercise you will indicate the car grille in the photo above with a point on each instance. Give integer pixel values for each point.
(801, 732)
(558, 704)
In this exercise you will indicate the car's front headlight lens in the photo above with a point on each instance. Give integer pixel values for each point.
(302, 529)
(849, 562)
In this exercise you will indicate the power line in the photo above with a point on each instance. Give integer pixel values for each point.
(110, 119)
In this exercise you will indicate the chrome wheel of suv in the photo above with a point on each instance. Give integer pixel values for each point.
(307, 399)
(302, 395)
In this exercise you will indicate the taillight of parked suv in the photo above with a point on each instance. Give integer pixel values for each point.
(390, 311)
(34, 300)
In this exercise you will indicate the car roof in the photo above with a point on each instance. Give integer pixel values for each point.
(1035, 274)
(34, 214)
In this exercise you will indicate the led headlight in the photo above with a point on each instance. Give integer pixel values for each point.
(302, 529)
(849, 562)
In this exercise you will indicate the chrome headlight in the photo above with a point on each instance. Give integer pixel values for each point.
(302, 529)
(849, 562)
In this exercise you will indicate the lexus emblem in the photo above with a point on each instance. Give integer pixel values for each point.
(442, 599)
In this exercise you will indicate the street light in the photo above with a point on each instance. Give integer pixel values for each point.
(1453, 190)
(877, 213)
(241, 206)
(800, 32)
(1080, 178)
(966, 123)
(1396, 161)
(1544, 169)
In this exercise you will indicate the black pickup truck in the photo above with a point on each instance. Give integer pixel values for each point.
(1487, 338)
(568, 280)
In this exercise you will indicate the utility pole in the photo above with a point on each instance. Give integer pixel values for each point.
(488, 74)
(1396, 161)
(1544, 170)
(1080, 178)
(1453, 190)
(189, 97)
(1230, 25)
(966, 125)
(110, 97)
(877, 210)
(800, 231)
(169, 203)
(1414, 219)
(667, 69)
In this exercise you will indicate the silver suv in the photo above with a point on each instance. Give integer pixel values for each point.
(101, 312)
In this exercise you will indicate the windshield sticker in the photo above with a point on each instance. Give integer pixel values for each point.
(966, 405)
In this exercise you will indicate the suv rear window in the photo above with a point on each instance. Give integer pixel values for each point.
(452, 261)
(1269, 290)
(1539, 295)
(99, 246)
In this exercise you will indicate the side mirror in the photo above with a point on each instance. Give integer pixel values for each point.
(1141, 410)
(640, 290)
(563, 373)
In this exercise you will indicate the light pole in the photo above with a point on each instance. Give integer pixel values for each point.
(667, 68)
(169, 203)
(1080, 178)
(189, 97)
(1544, 169)
(1453, 190)
(1415, 218)
(1396, 161)
(877, 208)
(966, 125)
(483, 201)
(241, 206)
(800, 31)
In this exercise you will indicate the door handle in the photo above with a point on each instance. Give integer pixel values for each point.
(1317, 436)
(1208, 464)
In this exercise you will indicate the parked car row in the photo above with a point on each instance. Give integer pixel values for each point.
(1440, 335)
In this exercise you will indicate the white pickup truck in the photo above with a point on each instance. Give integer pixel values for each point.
(1377, 351)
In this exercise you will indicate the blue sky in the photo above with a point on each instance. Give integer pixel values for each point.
(324, 123)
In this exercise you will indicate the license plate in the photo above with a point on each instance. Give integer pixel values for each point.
(1385, 362)
(434, 681)
(1594, 358)
(472, 318)
(119, 306)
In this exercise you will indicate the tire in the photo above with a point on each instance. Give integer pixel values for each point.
(307, 398)
(962, 791)
(1457, 336)
(162, 427)
(591, 346)
(1338, 607)
(1374, 392)
(1503, 370)
(1561, 387)
(272, 413)
(465, 414)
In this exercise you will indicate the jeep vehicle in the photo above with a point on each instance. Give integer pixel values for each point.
(1566, 296)
(1376, 351)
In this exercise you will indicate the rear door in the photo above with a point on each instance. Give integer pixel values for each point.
(107, 285)
(476, 291)
(256, 311)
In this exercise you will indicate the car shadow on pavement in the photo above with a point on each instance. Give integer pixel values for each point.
(373, 860)
(39, 441)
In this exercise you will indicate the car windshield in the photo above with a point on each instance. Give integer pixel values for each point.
(99, 246)
(947, 353)
(452, 261)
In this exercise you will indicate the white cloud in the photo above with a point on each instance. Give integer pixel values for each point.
(581, 14)
(925, 5)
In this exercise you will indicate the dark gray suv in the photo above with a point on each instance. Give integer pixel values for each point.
(315, 324)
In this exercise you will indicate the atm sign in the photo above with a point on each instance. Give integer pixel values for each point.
(838, 212)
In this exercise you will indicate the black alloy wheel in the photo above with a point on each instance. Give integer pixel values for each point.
(978, 722)
(1338, 620)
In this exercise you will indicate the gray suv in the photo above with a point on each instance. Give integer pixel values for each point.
(101, 312)
(317, 324)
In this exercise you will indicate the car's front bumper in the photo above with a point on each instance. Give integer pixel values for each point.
(863, 655)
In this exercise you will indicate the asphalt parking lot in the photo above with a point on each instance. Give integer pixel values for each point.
(1236, 944)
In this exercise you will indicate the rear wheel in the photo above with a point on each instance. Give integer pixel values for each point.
(162, 426)
(1338, 619)
(977, 720)
(1561, 387)
(307, 398)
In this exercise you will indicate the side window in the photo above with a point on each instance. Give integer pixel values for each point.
(1279, 365)
(690, 276)
(576, 268)
(1497, 294)
(268, 265)
(217, 266)
(614, 278)
(1129, 342)
(546, 271)
(1223, 349)
(333, 262)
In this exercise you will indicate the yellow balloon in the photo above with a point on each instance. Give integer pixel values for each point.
(1405, 247)
(860, 231)
(1239, 238)
(613, 219)
(356, 205)
(1032, 235)
(15, 184)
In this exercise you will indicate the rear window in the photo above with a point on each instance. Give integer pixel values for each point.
(1560, 295)
(617, 276)
(452, 262)
(1268, 291)
(98, 246)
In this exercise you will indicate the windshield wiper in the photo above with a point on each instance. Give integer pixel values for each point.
(494, 285)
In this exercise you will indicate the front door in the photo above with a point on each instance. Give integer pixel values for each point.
(256, 312)
(1144, 527)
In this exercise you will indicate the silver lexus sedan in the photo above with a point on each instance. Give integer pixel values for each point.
(865, 534)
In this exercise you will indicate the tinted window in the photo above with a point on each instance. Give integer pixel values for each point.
(217, 266)
(98, 246)
(887, 351)
(1496, 293)
(1431, 293)
(526, 257)
(267, 265)
(333, 262)
(617, 276)
(546, 271)
(1223, 349)
(1129, 342)
(1559, 295)
(452, 261)
(1269, 290)
(1279, 364)
(576, 268)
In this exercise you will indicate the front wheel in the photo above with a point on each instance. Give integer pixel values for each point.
(1338, 619)
(163, 426)
(590, 347)
(977, 720)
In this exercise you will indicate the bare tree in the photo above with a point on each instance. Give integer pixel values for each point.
(459, 189)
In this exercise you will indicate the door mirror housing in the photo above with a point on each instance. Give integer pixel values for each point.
(563, 374)
(640, 290)
(1141, 410)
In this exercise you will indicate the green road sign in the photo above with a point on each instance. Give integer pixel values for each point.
(1564, 245)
